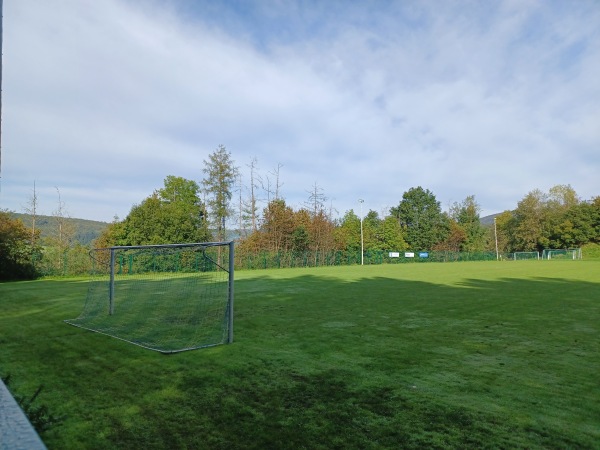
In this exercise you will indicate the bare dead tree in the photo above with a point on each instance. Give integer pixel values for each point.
(64, 230)
(64, 233)
(31, 209)
(255, 181)
(273, 190)
(332, 210)
(278, 185)
(266, 185)
(240, 190)
(316, 200)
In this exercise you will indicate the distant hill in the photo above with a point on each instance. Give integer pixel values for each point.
(85, 230)
(488, 220)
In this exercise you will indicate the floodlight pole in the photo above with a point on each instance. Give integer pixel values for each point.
(496, 238)
(362, 251)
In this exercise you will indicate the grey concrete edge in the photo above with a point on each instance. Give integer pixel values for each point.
(16, 432)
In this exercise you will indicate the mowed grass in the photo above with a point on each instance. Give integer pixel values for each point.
(440, 355)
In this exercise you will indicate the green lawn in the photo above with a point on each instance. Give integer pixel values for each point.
(438, 355)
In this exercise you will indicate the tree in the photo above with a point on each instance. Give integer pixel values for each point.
(273, 190)
(278, 226)
(595, 202)
(320, 226)
(316, 200)
(300, 240)
(371, 226)
(562, 196)
(505, 224)
(455, 239)
(528, 232)
(179, 190)
(321, 233)
(172, 214)
(577, 226)
(251, 209)
(278, 183)
(347, 234)
(16, 251)
(220, 175)
(421, 217)
(242, 217)
(64, 229)
(58, 245)
(553, 220)
(144, 224)
(559, 201)
(31, 209)
(110, 235)
(466, 216)
(390, 235)
(378, 235)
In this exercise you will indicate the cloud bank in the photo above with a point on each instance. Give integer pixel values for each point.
(103, 100)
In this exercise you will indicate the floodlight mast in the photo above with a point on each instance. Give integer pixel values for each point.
(496, 238)
(362, 251)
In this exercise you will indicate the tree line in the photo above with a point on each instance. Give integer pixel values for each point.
(221, 206)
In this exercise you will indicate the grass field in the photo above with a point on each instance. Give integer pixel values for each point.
(440, 355)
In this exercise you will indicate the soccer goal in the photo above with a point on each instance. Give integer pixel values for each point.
(568, 253)
(526, 255)
(168, 298)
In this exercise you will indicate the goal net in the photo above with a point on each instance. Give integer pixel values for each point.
(526, 255)
(569, 253)
(168, 298)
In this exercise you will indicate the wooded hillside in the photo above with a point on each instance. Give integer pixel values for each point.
(85, 230)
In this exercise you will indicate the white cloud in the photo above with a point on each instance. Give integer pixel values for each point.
(105, 99)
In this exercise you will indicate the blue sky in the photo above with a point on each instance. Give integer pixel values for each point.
(364, 99)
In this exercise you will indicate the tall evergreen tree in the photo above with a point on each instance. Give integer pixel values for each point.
(220, 175)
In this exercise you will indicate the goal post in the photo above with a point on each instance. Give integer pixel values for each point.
(168, 298)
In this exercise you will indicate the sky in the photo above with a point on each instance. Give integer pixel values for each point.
(102, 100)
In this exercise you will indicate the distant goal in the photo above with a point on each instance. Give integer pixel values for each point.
(526, 255)
(569, 253)
(168, 298)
